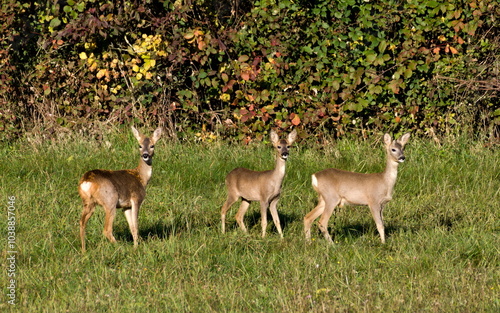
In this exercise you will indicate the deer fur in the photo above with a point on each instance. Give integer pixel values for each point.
(264, 186)
(124, 189)
(338, 187)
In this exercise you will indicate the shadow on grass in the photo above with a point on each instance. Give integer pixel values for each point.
(158, 230)
(358, 230)
(253, 219)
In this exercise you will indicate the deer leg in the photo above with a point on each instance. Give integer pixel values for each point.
(241, 213)
(88, 210)
(108, 222)
(132, 216)
(225, 207)
(274, 214)
(325, 217)
(311, 216)
(263, 213)
(377, 217)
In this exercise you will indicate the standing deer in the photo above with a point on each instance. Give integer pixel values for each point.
(338, 187)
(264, 187)
(118, 189)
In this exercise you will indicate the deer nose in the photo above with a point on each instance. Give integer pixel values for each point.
(284, 155)
(401, 159)
(145, 156)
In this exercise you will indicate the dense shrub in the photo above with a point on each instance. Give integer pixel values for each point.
(237, 68)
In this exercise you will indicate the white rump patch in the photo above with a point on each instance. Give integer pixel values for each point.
(314, 181)
(85, 186)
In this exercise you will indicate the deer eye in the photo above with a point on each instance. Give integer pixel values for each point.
(140, 147)
(152, 146)
(393, 150)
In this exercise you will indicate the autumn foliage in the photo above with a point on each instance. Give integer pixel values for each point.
(238, 68)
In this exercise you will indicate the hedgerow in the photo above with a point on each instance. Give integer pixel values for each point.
(237, 68)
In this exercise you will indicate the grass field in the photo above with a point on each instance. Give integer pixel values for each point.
(442, 252)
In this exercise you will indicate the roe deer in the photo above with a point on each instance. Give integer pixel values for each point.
(258, 186)
(338, 187)
(118, 189)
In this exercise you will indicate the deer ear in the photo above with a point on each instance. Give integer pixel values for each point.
(404, 139)
(274, 137)
(156, 134)
(387, 139)
(136, 133)
(292, 136)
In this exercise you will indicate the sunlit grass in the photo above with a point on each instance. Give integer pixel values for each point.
(441, 254)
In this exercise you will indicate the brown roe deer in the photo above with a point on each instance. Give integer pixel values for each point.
(118, 189)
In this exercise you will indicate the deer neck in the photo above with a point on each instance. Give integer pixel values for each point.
(144, 172)
(390, 173)
(279, 169)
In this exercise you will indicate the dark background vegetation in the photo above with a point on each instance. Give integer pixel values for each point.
(235, 68)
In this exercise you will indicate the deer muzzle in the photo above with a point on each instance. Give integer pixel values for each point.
(147, 158)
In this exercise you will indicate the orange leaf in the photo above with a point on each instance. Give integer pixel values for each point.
(201, 44)
(394, 85)
(453, 50)
(296, 120)
(245, 75)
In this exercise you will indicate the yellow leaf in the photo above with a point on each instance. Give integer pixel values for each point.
(225, 97)
(93, 67)
(138, 76)
(101, 73)
(83, 56)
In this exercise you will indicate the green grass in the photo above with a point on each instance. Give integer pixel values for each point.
(442, 250)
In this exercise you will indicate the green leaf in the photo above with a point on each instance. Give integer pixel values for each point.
(370, 56)
(432, 4)
(80, 6)
(243, 58)
(55, 22)
(382, 46)
(203, 74)
(307, 49)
